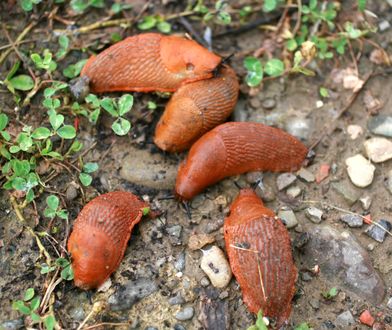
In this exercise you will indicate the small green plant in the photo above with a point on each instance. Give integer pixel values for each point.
(20, 82)
(63, 47)
(73, 70)
(45, 61)
(151, 105)
(29, 305)
(121, 126)
(52, 209)
(220, 15)
(84, 176)
(27, 5)
(152, 21)
(260, 324)
(255, 70)
(81, 5)
(324, 92)
(330, 294)
(303, 326)
(118, 7)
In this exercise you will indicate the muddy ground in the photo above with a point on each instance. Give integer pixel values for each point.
(158, 259)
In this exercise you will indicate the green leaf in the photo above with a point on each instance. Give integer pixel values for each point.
(62, 214)
(90, 167)
(29, 294)
(255, 71)
(224, 18)
(46, 269)
(252, 64)
(269, 5)
(145, 210)
(50, 322)
(21, 307)
(25, 141)
(121, 126)
(56, 120)
(361, 5)
(22, 82)
(35, 317)
(14, 149)
(79, 5)
(324, 92)
(53, 202)
(20, 167)
(75, 146)
(26, 5)
(108, 104)
(93, 100)
(302, 326)
(62, 262)
(151, 105)
(148, 23)
(93, 116)
(291, 45)
(331, 293)
(67, 273)
(3, 121)
(274, 67)
(125, 104)
(74, 70)
(13, 70)
(6, 136)
(164, 27)
(35, 303)
(260, 324)
(64, 44)
(41, 133)
(67, 132)
(85, 179)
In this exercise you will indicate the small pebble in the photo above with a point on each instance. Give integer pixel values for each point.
(319, 104)
(371, 246)
(360, 170)
(216, 266)
(323, 172)
(389, 303)
(354, 131)
(378, 149)
(204, 281)
(314, 214)
(288, 217)
(224, 295)
(71, 193)
(151, 328)
(349, 194)
(306, 277)
(284, 180)
(299, 127)
(12, 324)
(352, 220)
(255, 103)
(345, 319)
(197, 241)
(178, 299)
(384, 25)
(366, 201)
(306, 175)
(366, 318)
(180, 262)
(268, 103)
(301, 240)
(381, 125)
(315, 303)
(179, 327)
(174, 230)
(294, 191)
(376, 232)
(185, 314)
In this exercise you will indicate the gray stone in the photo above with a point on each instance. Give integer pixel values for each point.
(174, 230)
(268, 103)
(352, 220)
(377, 233)
(141, 167)
(288, 217)
(71, 192)
(205, 281)
(306, 277)
(299, 127)
(314, 214)
(381, 125)
(178, 299)
(185, 314)
(151, 328)
(294, 191)
(349, 194)
(126, 296)
(179, 327)
(315, 303)
(180, 262)
(284, 180)
(77, 313)
(343, 262)
(213, 312)
(306, 175)
(366, 201)
(12, 324)
(345, 319)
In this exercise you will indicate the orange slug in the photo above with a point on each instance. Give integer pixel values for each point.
(149, 62)
(259, 250)
(195, 109)
(100, 236)
(234, 148)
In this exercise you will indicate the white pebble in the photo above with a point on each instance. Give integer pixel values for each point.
(216, 266)
(354, 131)
(360, 170)
(378, 149)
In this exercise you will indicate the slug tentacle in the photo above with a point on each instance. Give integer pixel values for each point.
(100, 236)
(235, 148)
(259, 250)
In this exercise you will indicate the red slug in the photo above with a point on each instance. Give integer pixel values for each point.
(149, 62)
(234, 148)
(195, 109)
(100, 236)
(259, 250)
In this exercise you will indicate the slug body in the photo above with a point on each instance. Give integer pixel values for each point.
(235, 148)
(100, 236)
(195, 109)
(149, 62)
(259, 250)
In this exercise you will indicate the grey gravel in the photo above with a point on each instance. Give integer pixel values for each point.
(178, 299)
(349, 194)
(345, 319)
(179, 327)
(378, 233)
(126, 296)
(314, 214)
(315, 303)
(293, 191)
(306, 175)
(71, 193)
(205, 281)
(180, 262)
(174, 230)
(284, 180)
(77, 313)
(151, 328)
(381, 125)
(384, 25)
(299, 127)
(268, 103)
(306, 277)
(389, 303)
(352, 220)
(288, 217)
(12, 324)
(366, 201)
(185, 314)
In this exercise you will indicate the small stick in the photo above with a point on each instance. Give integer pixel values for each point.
(187, 209)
